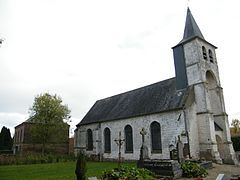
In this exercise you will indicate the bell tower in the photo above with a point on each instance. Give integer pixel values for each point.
(196, 65)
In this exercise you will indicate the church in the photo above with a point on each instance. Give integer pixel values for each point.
(188, 108)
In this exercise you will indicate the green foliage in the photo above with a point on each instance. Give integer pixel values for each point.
(48, 115)
(236, 124)
(236, 143)
(191, 170)
(81, 166)
(127, 173)
(34, 159)
(6, 140)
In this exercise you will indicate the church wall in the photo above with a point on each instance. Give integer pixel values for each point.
(192, 126)
(81, 138)
(172, 125)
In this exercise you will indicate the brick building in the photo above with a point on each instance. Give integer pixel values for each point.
(24, 143)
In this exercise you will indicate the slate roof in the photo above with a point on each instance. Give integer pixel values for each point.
(191, 28)
(154, 98)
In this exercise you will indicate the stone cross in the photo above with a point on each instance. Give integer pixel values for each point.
(143, 133)
(119, 142)
(144, 148)
(180, 150)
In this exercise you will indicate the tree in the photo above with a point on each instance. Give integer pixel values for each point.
(6, 141)
(81, 167)
(236, 124)
(49, 117)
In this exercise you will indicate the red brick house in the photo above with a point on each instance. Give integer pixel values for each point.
(23, 141)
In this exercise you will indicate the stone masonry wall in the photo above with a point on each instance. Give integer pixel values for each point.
(172, 125)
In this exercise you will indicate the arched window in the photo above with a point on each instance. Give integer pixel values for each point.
(128, 139)
(204, 52)
(89, 140)
(210, 54)
(107, 140)
(156, 137)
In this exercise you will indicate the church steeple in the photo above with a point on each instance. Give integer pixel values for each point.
(187, 52)
(191, 28)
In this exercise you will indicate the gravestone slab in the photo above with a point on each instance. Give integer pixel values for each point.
(222, 177)
(168, 168)
(92, 178)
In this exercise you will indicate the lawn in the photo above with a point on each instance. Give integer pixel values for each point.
(53, 171)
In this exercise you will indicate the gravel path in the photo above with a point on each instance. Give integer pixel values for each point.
(228, 170)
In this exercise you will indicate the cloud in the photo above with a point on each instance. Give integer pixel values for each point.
(138, 41)
(11, 119)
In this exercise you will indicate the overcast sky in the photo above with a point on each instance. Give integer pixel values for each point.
(88, 50)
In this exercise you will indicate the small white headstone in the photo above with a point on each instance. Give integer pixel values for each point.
(92, 178)
(222, 177)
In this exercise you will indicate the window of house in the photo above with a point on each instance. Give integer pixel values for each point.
(204, 52)
(128, 139)
(16, 136)
(107, 140)
(89, 140)
(210, 54)
(20, 137)
(156, 137)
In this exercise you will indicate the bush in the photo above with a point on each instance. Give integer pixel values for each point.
(236, 143)
(81, 166)
(34, 159)
(191, 170)
(127, 173)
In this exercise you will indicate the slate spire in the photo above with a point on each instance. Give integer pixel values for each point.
(191, 28)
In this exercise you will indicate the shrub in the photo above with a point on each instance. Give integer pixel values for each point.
(191, 170)
(81, 166)
(34, 159)
(127, 173)
(236, 143)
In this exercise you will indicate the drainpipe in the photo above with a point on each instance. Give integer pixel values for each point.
(186, 130)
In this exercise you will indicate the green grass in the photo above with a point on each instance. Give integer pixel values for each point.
(53, 171)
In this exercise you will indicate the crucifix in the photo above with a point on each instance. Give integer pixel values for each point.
(143, 133)
(119, 142)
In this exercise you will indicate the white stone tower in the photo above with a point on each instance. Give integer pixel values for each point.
(196, 65)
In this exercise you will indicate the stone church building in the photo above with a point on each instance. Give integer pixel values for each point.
(189, 107)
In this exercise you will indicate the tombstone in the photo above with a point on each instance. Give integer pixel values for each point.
(174, 154)
(180, 150)
(167, 169)
(235, 177)
(119, 142)
(144, 148)
(222, 177)
(92, 178)
(143, 151)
